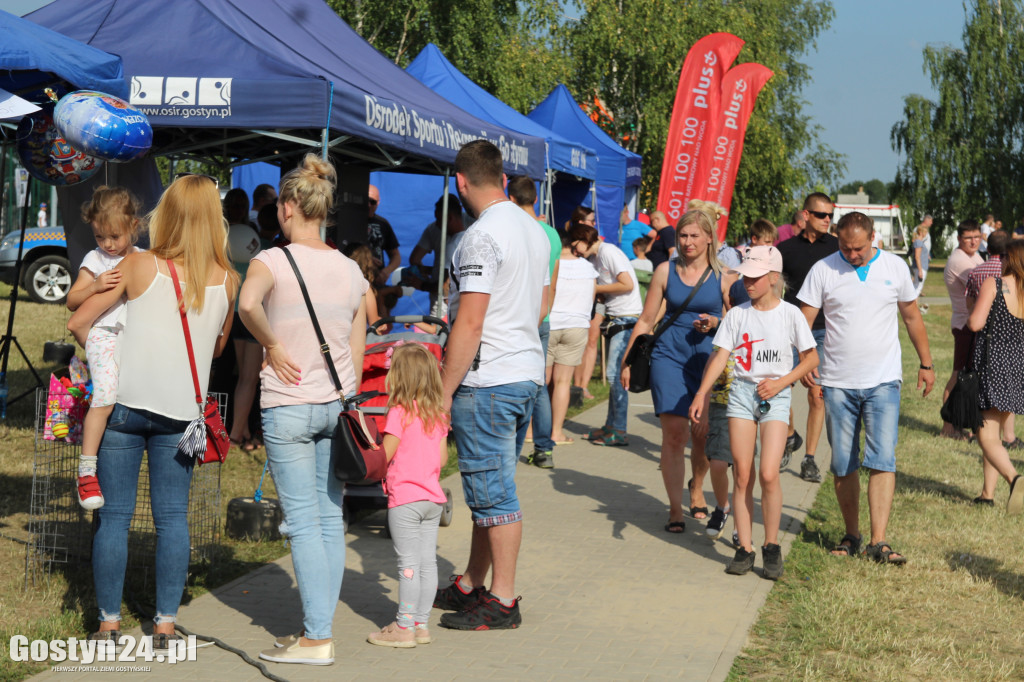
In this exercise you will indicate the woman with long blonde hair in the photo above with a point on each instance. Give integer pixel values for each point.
(299, 400)
(679, 356)
(156, 398)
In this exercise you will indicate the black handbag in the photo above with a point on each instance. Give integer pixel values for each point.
(357, 452)
(639, 357)
(962, 408)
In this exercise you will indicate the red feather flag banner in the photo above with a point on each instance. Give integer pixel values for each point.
(720, 155)
(693, 113)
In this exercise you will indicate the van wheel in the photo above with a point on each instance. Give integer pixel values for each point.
(48, 279)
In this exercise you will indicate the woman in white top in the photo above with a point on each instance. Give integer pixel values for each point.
(155, 397)
(299, 401)
(573, 299)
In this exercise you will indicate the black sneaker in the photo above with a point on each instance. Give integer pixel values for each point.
(544, 460)
(716, 524)
(452, 598)
(486, 614)
(793, 444)
(809, 470)
(771, 555)
(741, 563)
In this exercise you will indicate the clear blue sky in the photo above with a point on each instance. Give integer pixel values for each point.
(865, 64)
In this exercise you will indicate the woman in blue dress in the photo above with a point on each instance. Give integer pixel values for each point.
(679, 356)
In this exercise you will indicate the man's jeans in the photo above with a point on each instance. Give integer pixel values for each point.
(618, 397)
(542, 408)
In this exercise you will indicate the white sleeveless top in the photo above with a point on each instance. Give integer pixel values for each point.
(154, 369)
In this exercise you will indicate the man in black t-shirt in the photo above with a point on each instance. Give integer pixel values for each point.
(381, 239)
(799, 254)
(664, 245)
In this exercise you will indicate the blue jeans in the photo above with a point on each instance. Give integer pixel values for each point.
(490, 427)
(542, 408)
(618, 397)
(879, 409)
(129, 433)
(298, 441)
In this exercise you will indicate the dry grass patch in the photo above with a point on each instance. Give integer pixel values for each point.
(953, 612)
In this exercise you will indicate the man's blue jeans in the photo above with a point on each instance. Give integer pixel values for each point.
(490, 426)
(298, 441)
(542, 408)
(618, 397)
(129, 433)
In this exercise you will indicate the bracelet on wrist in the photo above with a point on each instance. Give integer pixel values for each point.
(927, 367)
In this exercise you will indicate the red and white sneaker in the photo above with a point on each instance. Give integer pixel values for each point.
(89, 494)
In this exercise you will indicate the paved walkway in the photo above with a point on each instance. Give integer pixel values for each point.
(607, 593)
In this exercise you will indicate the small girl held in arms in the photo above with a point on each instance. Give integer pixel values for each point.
(762, 332)
(415, 440)
(113, 214)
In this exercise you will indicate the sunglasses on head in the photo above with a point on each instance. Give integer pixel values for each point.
(821, 215)
(215, 181)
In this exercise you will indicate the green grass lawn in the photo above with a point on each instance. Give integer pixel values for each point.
(953, 612)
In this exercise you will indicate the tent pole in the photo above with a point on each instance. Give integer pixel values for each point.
(326, 136)
(550, 197)
(442, 267)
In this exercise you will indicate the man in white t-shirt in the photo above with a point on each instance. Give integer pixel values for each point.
(859, 289)
(493, 371)
(987, 228)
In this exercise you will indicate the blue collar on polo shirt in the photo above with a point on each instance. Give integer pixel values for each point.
(862, 271)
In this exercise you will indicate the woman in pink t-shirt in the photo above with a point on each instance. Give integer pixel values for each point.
(415, 440)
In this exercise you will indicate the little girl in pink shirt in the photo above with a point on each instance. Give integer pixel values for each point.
(415, 440)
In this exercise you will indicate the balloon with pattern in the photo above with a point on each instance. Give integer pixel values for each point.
(103, 125)
(47, 156)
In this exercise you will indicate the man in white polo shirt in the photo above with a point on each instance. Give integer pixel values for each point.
(859, 289)
(493, 372)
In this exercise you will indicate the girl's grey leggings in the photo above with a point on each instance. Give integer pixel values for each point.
(414, 532)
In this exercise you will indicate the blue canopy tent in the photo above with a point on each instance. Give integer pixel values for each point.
(618, 170)
(261, 80)
(33, 58)
(569, 158)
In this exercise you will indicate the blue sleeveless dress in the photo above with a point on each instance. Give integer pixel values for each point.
(678, 359)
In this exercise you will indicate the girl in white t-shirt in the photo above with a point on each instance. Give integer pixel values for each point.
(113, 214)
(762, 334)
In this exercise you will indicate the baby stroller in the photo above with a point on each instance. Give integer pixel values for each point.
(373, 400)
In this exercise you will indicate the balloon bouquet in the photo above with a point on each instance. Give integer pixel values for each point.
(68, 143)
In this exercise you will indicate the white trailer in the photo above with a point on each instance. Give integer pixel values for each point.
(888, 222)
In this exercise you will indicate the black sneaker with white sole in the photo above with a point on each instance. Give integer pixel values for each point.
(771, 555)
(716, 524)
(487, 614)
(741, 563)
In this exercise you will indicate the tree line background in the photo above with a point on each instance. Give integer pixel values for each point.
(628, 54)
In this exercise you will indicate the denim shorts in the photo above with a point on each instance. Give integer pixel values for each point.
(879, 410)
(819, 343)
(743, 402)
(719, 445)
(490, 426)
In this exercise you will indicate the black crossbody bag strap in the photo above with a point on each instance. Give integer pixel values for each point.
(325, 349)
(693, 292)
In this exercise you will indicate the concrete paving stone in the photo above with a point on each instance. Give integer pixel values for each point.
(593, 551)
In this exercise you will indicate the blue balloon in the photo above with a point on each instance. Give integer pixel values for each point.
(48, 156)
(104, 126)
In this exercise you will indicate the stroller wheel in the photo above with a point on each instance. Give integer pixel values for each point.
(448, 510)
